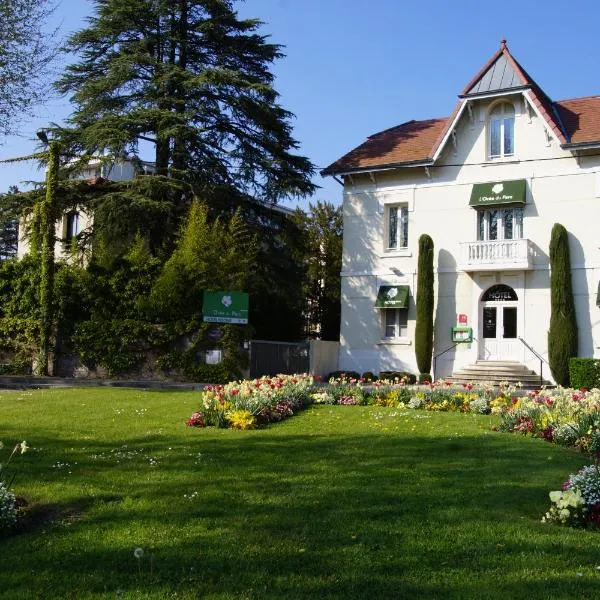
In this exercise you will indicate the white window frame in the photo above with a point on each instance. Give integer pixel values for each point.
(501, 118)
(517, 223)
(401, 229)
(399, 324)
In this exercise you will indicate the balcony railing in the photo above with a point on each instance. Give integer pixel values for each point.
(497, 254)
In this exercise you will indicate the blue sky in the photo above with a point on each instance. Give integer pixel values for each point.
(355, 67)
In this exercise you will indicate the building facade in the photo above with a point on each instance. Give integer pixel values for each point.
(487, 184)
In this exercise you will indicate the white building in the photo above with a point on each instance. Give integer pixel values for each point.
(72, 223)
(487, 184)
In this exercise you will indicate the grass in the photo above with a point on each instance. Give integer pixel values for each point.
(337, 502)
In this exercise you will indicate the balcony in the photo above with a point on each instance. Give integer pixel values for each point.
(496, 255)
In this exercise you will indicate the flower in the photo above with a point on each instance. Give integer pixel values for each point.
(138, 553)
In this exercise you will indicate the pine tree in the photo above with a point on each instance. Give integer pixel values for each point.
(25, 53)
(562, 334)
(191, 79)
(425, 302)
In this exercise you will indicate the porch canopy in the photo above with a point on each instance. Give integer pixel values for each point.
(392, 296)
(498, 192)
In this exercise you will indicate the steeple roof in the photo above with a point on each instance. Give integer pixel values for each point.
(501, 73)
(572, 122)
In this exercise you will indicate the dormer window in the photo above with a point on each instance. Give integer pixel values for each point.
(501, 128)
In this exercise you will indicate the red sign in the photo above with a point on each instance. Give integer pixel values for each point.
(463, 320)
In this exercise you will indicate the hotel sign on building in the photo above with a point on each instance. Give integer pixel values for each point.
(487, 184)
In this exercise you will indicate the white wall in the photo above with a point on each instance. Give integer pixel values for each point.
(559, 190)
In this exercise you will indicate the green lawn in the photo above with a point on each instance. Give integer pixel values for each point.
(337, 502)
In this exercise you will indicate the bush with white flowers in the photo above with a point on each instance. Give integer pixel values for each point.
(8, 508)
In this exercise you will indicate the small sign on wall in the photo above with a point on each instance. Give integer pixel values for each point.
(462, 320)
(462, 335)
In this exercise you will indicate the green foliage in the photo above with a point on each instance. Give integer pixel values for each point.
(321, 255)
(562, 334)
(48, 215)
(209, 255)
(19, 309)
(425, 303)
(409, 378)
(194, 80)
(584, 373)
(189, 365)
(25, 53)
(343, 375)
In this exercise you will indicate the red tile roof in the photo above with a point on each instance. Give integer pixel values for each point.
(580, 118)
(572, 121)
(407, 143)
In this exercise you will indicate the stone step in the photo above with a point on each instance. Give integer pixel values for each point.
(496, 372)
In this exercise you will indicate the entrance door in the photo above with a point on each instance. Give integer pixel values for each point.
(499, 339)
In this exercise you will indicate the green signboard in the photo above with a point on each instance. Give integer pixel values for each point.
(392, 296)
(225, 307)
(498, 192)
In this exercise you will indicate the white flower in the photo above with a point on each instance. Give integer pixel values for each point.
(24, 447)
(138, 553)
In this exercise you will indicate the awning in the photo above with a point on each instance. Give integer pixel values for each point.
(498, 192)
(392, 296)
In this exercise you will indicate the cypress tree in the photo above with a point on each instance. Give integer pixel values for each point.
(425, 301)
(562, 335)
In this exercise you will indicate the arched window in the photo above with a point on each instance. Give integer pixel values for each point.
(499, 293)
(501, 130)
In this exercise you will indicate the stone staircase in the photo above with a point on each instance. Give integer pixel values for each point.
(494, 372)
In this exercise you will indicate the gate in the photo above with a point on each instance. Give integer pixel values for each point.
(271, 358)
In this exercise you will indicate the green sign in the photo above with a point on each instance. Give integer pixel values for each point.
(498, 192)
(462, 334)
(392, 296)
(225, 307)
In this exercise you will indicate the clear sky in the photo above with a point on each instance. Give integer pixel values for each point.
(355, 67)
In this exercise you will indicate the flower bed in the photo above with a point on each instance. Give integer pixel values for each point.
(251, 403)
(565, 416)
(578, 503)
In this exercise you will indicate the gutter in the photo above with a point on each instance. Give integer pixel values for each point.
(389, 167)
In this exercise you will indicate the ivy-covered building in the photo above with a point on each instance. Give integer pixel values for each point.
(487, 184)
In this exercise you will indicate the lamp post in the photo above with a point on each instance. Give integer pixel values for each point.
(47, 225)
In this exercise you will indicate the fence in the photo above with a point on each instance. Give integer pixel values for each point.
(271, 358)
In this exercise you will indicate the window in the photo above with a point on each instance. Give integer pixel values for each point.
(73, 226)
(397, 227)
(500, 224)
(395, 323)
(501, 131)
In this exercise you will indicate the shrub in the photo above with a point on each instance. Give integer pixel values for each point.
(343, 375)
(424, 378)
(562, 334)
(368, 377)
(584, 373)
(393, 376)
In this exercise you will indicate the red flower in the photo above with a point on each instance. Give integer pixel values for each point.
(196, 420)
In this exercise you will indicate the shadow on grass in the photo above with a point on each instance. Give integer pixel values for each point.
(286, 515)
